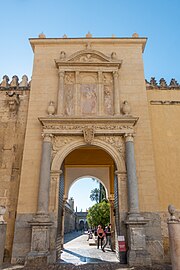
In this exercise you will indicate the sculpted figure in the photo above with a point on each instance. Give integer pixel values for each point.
(69, 102)
(107, 100)
(89, 100)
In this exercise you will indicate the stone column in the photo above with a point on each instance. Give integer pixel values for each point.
(63, 218)
(116, 93)
(60, 98)
(137, 254)
(174, 238)
(111, 201)
(40, 239)
(44, 183)
(133, 201)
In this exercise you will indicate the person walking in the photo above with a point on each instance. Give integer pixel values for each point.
(100, 234)
(108, 233)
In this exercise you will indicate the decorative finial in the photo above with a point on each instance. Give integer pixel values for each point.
(126, 109)
(64, 36)
(135, 35)
(62, 55)
(113, 55)
(42, 35)
(172, 210)
(51, 108)
(88, 35)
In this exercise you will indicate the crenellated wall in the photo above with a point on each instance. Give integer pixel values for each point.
(14, 98)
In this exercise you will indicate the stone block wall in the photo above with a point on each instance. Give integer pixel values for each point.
(13, 116)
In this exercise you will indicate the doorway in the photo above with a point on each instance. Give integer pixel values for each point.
(86, 161)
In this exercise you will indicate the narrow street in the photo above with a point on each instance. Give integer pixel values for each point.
(78, 251)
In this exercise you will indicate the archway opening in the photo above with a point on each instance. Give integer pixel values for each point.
(82, 163)
(83, 194)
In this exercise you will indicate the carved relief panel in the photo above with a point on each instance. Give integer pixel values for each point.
(108, 93)
(88, 93)
(88, 84)
(69, 86)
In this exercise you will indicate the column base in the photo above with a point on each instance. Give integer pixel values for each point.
(37, 259)
(137, 254)
(40, 242)
(138, 258)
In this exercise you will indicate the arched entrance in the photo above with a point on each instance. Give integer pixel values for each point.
(86, 160)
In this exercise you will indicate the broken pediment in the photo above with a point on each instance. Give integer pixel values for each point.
(87, 57)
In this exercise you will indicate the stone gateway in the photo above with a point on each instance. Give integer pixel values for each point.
(88, 110)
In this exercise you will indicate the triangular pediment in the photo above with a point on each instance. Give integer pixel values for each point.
(88, 56)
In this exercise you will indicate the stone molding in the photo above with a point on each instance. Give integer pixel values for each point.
(75, 126)
(87, 60)
(69, 133)
(165, 102)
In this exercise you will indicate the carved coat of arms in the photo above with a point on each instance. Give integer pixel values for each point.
(88, 134)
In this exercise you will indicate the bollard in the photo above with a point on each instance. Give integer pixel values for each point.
(174, 238)
(3, 226)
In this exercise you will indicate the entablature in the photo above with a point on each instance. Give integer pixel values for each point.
(76, 126)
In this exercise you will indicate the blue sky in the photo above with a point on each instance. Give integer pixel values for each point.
(80, 191)
(158, 20)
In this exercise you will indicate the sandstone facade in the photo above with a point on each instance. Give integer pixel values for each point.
(90, 100)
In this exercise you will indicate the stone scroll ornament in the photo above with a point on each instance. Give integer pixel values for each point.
(88, 134)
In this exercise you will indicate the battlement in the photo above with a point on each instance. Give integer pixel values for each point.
(25, 84)
(153, 85)
(14, 84)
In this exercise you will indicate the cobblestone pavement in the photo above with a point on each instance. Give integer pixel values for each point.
(78, 251)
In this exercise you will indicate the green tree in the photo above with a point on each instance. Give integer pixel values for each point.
(98, 194)
(94, 196)
(99, 214)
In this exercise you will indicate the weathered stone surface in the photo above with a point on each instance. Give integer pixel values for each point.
(2, 241)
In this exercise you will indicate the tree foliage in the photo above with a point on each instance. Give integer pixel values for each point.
(99, 214)
(98, 194)
(94, 196)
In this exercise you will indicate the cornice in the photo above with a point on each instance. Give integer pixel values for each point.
(63, 41)
(75, 126)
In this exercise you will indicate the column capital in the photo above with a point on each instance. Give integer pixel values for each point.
(47, 137)
(56, 172)
(115, 74)
(61, 73)
(129, 137)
